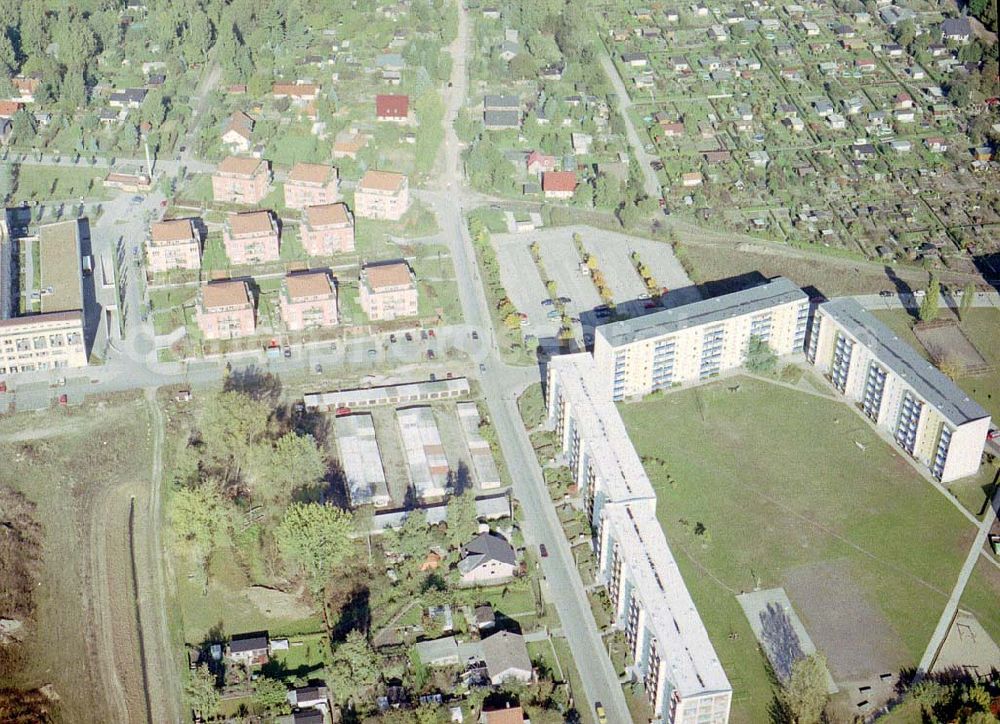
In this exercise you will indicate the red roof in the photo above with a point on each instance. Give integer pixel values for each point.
(559, 181)
(392, 106)
(9, 108)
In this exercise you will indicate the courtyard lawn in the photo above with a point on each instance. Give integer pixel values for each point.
(797, 491)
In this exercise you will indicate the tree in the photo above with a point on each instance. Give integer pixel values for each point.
(231, 425)
(928, 311)
(413, 538)
(760, 357)
(354, 669)
(197, 515)
(22, 128)
(968, 296)
(201, 693)
(270, 695)
(462, 523)
(314, 539)
(293, 461)
(804, 695)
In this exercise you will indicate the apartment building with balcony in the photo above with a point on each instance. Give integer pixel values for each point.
(311, 184)
(225, 310)
(387, 291)
(671, 652)
(699, 340)
(251, 237)
(927, 414)
(173, 244)
(327, 230)
(53, 338)
(240, 180)
(308, 301)
(382, 195)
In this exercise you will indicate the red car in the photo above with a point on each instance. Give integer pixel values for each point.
(63, 400)
(3, 386)
(991, 435)
(343, 411)
(431, 332)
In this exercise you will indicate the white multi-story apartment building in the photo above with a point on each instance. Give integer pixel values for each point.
(927, 415)
(53, 339)
(671, 652)
(696, 341)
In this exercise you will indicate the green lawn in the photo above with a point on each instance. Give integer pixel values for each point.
(41, 183)
(167, 307)
(779, 481)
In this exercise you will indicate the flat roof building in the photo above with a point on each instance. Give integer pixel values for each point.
(361, 460)
(483, 464)
(425, 458)
(699, 340)
(55, 338)
(401, 394)
(926, 413)
(671, 652)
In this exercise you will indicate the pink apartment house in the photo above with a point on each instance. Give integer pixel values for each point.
(311, 184)
(327, 230)
(251, 237)
(174, 244)
(382, 195)
(309, 300)
(225, 310)
(240, 180)
(388, 290)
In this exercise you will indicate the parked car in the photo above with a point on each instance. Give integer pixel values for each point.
(319, 369)
(430, 354)
(482, 367)
(543, 550)
(423, 334)
(342, 411)
(371, 354)
(993, 434)
(63, 400)
(547, 302)
(392, 338)
(431, 333)
(885, 293)
(287, 352)
(565, 300)
(602, 716)
(475, 334)
(409, 337)
(3, 386)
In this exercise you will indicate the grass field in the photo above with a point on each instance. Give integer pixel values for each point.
(61, 183)
(790, 486)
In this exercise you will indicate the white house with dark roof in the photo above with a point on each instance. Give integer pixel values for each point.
(488, 558)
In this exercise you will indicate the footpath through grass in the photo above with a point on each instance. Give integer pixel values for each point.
(781, 480)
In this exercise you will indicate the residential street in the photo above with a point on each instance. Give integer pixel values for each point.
(650, 183)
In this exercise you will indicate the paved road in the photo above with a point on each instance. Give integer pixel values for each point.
(651, 183)
(501, 387)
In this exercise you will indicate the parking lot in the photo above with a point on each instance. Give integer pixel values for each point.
(562, 263)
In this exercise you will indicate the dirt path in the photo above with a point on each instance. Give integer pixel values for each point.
(165, 694)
